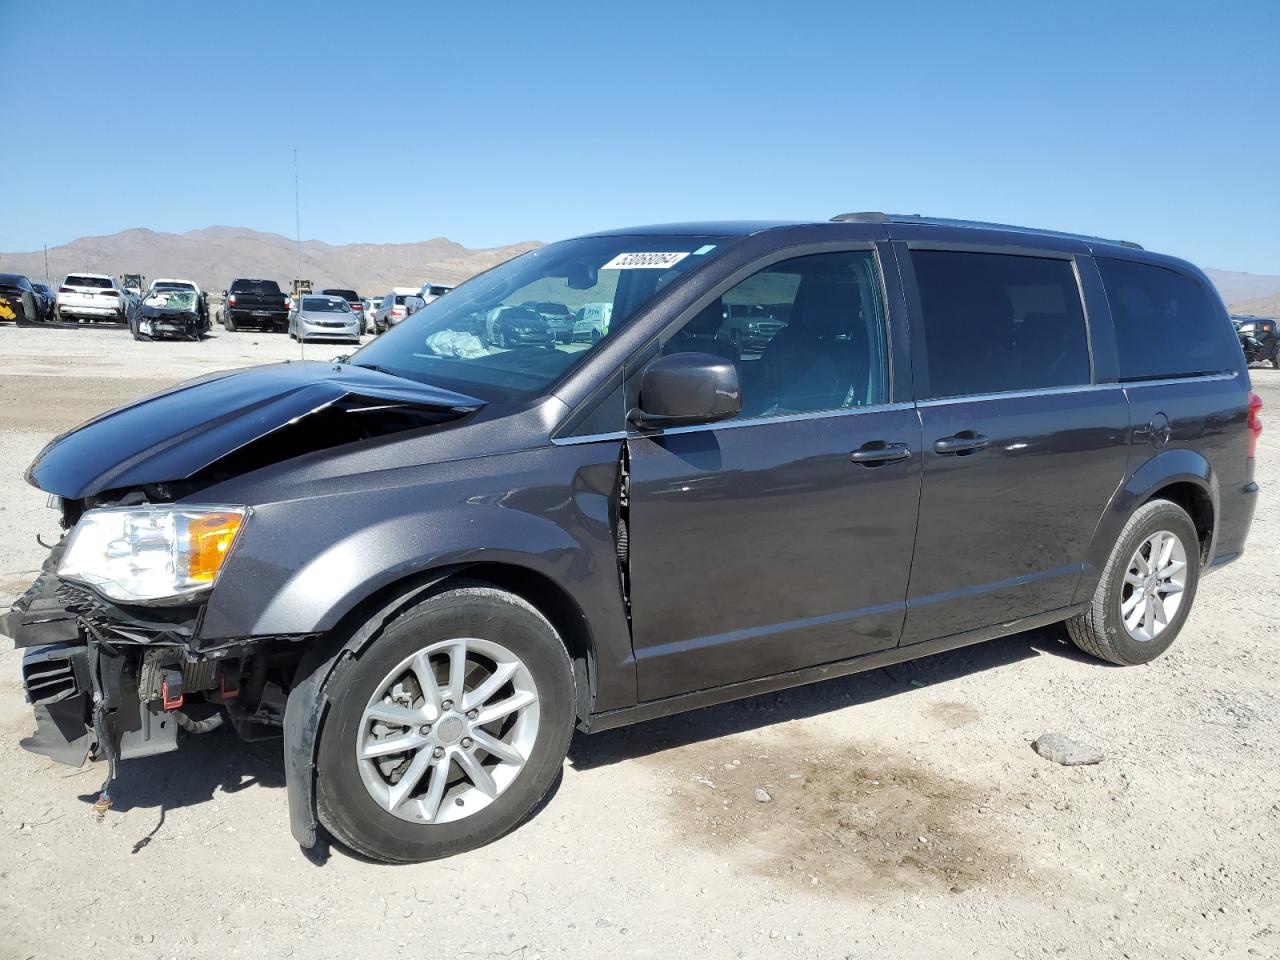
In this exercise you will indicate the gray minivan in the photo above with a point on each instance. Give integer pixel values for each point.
(425, 564)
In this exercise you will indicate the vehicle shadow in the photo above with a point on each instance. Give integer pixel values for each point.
(220, 762)
(217, 762)
(587, 752)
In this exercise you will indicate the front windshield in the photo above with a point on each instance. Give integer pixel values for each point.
(325, 305)
(489, 337)
(172, 299)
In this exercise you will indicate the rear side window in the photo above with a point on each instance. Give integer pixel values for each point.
(1165, 323)
(995, 323)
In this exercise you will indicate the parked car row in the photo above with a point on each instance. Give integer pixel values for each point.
(173, 307)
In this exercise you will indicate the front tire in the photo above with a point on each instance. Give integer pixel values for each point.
(1146, 590)
(448, 730)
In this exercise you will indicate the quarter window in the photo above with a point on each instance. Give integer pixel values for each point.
(994, 323)
(806, 334)
(1165, 324)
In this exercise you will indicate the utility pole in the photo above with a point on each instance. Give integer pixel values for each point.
(47, 279)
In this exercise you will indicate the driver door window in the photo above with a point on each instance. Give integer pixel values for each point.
(807, 335)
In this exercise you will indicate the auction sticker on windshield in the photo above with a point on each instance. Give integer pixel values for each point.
(644, 261)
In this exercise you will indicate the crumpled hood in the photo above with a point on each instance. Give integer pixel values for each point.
(236, 421)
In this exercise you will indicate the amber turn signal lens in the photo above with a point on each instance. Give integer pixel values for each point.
(210, 537)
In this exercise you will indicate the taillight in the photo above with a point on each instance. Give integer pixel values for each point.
(288, 303)
(231, 300)
(110, 293)
(66, 290)
(1255, 422)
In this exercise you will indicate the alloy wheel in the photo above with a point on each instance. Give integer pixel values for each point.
(1154, 582)
(448, 730)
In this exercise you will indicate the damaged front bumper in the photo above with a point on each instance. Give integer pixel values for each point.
(118, 682)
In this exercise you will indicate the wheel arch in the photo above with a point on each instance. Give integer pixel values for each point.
(363, 623)
(535, 587)
(1182, 476)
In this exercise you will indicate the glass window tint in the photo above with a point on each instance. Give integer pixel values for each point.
(1165, 324)
(806, 334)
(995, 323)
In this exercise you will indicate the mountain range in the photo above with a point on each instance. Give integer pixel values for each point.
(214, 256)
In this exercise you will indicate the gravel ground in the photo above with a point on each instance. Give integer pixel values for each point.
(907, 814)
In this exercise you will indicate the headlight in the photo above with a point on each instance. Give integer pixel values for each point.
(151, 554)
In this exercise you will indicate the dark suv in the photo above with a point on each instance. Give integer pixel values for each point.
(427, 564)
(1259, 338)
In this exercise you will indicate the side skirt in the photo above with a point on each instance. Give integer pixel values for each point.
(653, 709)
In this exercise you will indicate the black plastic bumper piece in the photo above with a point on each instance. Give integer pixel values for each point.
(41, 615)
(56, 678)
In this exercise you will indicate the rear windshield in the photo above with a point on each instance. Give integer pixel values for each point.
(348, 295)
(174, 286)
(325, 305)
(98, 283)
(256, 286)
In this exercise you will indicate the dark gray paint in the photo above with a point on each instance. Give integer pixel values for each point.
(716, 510)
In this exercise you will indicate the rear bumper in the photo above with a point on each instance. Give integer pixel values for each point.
(252, 316)
(1235, 517)
(82, 310)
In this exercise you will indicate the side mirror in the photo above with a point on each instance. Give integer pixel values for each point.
(682, 389)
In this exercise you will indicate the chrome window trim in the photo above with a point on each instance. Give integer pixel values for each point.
(589, 438)
(1081, 388)
(783, 418)
(886, 407)
(1192, 378)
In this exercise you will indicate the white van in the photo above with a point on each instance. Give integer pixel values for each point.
(591, 322)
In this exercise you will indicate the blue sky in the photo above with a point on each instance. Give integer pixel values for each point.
(501, 121)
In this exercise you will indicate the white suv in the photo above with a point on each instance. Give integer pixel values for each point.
(91, 296)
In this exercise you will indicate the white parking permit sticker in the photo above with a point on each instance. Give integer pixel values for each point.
(644, 261)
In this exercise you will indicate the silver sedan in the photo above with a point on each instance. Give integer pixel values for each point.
(320, 317)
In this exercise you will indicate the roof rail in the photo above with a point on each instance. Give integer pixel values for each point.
(877, 217)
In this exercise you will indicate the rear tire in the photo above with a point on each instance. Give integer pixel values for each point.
(346, 805)
(1101, 630)
(229, 323)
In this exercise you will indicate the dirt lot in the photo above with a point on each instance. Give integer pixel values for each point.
(909, 816)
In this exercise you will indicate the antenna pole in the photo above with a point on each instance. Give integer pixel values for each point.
(297, 227)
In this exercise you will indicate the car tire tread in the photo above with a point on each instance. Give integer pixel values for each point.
(1097, 631)
(334, 806)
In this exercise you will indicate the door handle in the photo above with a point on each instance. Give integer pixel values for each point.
(877, 452)
(964, 442)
